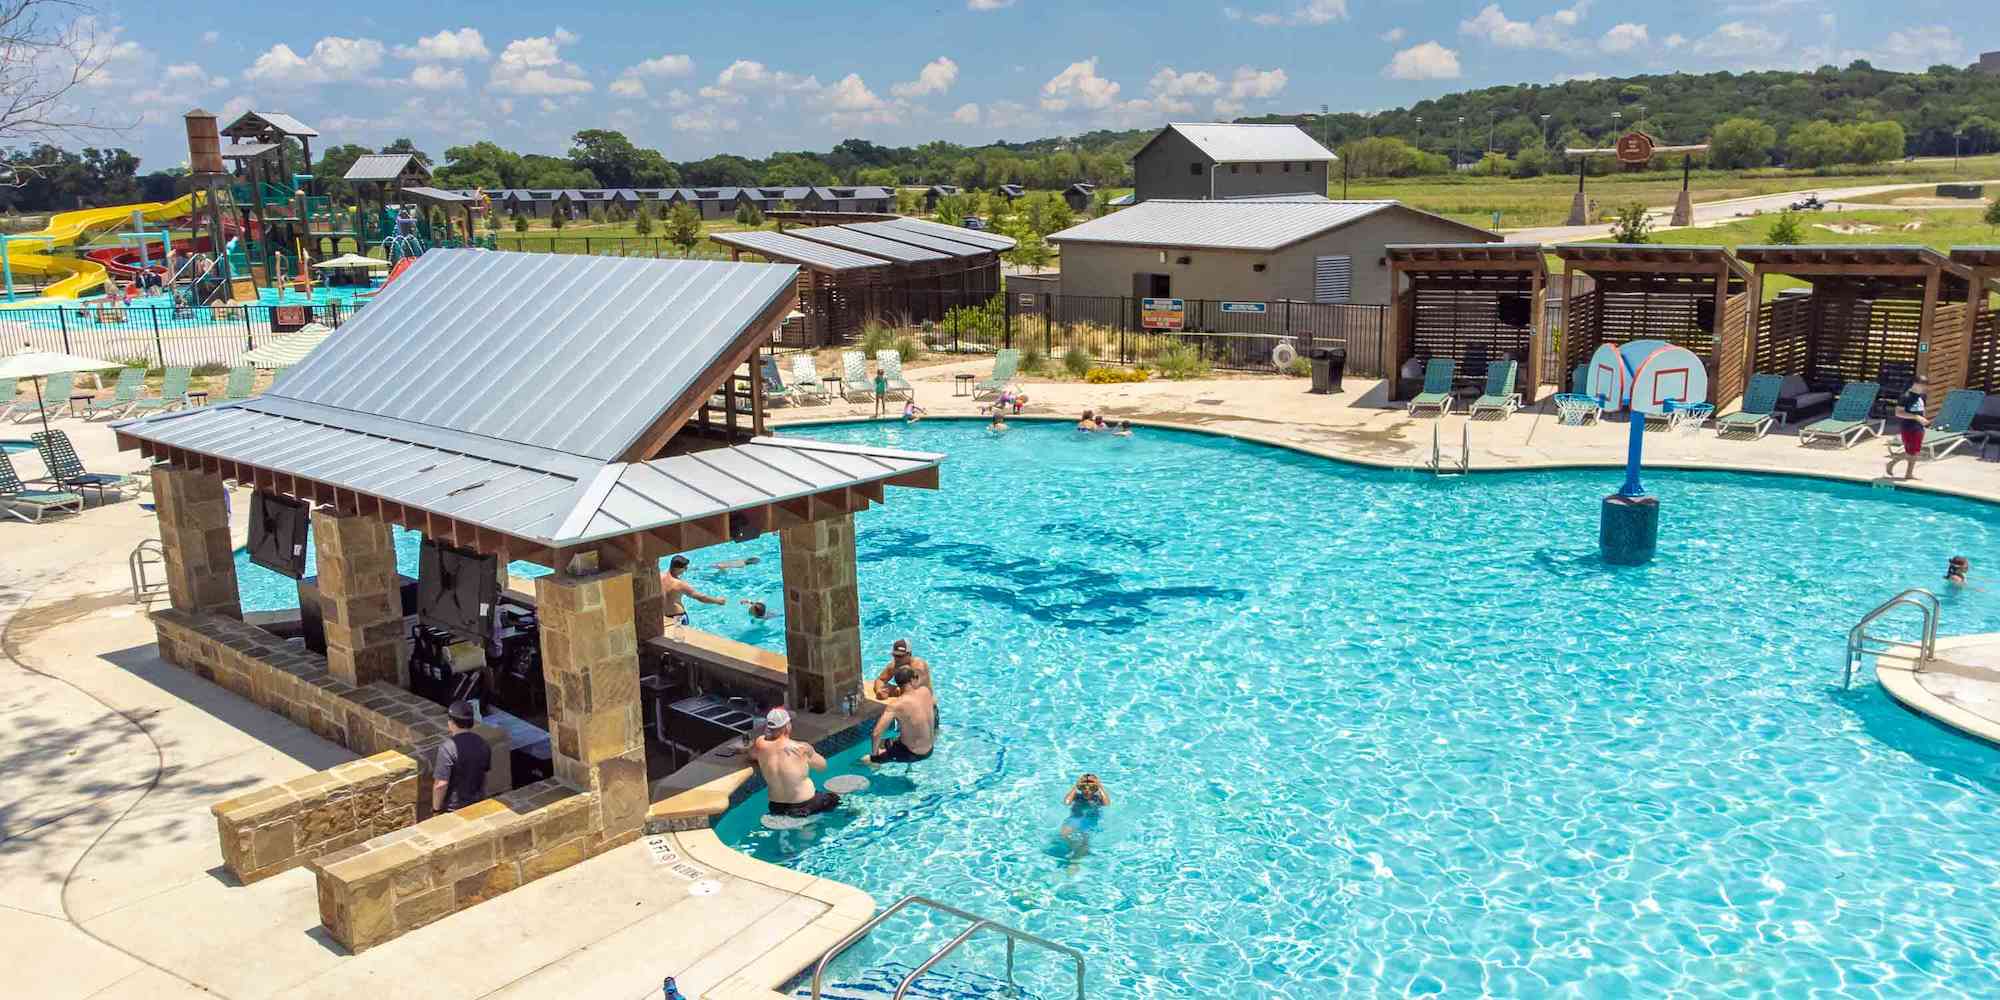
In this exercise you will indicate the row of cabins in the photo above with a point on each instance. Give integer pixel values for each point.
(1078, 195)
(712, 202)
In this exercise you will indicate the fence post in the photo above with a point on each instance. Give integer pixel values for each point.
(159, 348)
(249, 344)
(1048, 327)
(62, 321)
(1006, 319)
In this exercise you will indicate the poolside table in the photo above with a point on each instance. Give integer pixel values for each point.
(197, 398)
(78, 400)
(961, 383)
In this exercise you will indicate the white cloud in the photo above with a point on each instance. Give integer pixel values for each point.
(1256, 84)
(747, 76)
(431, 76)
(1578, 77)
(1623, 38)
(534, 67)
(1924, 46)
(1010, 114)
(967, 114)
(1078, 85)
(632, 82)
(462, 45)
(704, 120)
(1393, 35)
(936, 77)
(626, 86)
(1549, 31)
(987, 4)
(852, 103)
(193, 74)
(1424, 61)
(1739, 41)
(1171, 89)
(678, 98)
(233, 108)
(333, 59)
(1310, 12)
(1675, 40)
(210, 37)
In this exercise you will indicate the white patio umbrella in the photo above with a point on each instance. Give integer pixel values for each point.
(350, 260)
(288, 350)
(37, 365)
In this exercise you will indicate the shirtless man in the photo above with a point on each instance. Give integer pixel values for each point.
(900, 658)
(676, 588)
(914, 711)
(787, 767)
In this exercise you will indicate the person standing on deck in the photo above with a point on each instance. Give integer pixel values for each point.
(1910, 427)
(676, 589)
(462, 762)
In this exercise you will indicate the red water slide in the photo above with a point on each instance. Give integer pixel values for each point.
(124, 263)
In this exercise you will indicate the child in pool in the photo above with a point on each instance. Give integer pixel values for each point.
(1086, 801)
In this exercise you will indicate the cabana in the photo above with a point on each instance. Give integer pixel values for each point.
(833, 284)
(1877, 314)
(1473, 303)
(1982, 367)
(1697, 297)
(589, 414)
(449, 201)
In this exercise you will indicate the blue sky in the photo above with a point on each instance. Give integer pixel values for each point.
(750, 78)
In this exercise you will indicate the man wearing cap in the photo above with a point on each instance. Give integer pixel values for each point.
(674, 589)
(787, 767)
(462, 762)
(914, 711)
(900, 658)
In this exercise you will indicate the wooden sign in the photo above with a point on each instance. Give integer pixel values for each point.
(1635, 147)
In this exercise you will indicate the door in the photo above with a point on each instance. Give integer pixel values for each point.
(1149, 286)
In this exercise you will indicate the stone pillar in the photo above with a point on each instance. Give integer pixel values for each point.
(822, 613)
(358, 599)
(194, 532)
(649, 602)
(590, 659)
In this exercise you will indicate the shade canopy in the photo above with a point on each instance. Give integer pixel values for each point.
(286, 351)
(347, 260)
(36, 364)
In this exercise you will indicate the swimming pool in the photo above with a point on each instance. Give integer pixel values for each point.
(1373, 734)
(17, 447)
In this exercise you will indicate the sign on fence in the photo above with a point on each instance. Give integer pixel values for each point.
(1244, 307)
(286, 319)
(1162, 314)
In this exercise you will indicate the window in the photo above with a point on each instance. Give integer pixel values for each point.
(1195, 168)
(1259, 168)
(1234, 167)
(1288, 168)
(1333, 279)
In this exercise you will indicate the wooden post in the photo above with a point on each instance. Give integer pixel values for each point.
(1569, 325)
(1537, 336)
(1754, 328)
(1926, 321)
(1717, 325)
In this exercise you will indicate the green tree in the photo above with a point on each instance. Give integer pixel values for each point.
(612, 161)
(1785, 230)
(1876, 142)
(643, 222)
(1816, 144)
(557, 219)
(952, 209)
(481, 164)
(748, 214)
(520, 223)
(1992, 215)
(1494, 165)
(1534, 160)
(683, 227)
(1632, 224)
(1741, 142)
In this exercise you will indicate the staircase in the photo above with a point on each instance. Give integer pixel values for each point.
(910, 983)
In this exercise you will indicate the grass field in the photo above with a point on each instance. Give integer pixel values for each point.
(1916, 196)
(1545, 201)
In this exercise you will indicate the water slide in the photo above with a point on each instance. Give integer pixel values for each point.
(76, 275)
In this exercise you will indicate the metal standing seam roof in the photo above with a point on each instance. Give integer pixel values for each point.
(1220, 225)
(975, 237)
(784, 247)
(439, 195)
(572, 353)
(282, 122)
(243, 150)
(378, 167)
(920, 239)
(842, 236)
(1227, 143)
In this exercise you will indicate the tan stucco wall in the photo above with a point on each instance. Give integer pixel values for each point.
(1097, 269)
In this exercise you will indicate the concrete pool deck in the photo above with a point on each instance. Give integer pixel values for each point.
(1960, 687)
(110, 877)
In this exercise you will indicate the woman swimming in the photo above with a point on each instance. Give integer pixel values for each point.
(1086, 801)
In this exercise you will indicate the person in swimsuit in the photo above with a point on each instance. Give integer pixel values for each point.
(914, 712)
(881, 389)
(787, 767)
(912, 412)
(757, 609)
(1086, 801)
(1089, 423)
(675, 589)
(1910, 426)
(736, 563)
(1955, 570)
(900, 658)
(998, 425)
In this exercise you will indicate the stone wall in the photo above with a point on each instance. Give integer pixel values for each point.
(398, 882)
(279, 827)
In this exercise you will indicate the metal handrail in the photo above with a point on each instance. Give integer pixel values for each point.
(978, 923)
(1858, 637)
(137, 562)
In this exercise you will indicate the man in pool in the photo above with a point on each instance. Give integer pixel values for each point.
(914, 712)
(900, 658)
(1089, 423)
(998, 425)
(735, 563)
(757, 609)
(676, 589)
(787, 767)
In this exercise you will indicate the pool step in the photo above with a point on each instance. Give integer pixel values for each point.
(881, 982)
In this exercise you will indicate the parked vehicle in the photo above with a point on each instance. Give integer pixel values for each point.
(1810, 203)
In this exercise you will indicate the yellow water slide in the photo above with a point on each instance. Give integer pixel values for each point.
(77, 275)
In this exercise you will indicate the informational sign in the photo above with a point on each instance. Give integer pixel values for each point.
(1163, 314)
(1244, 307)
(286, 319)
(1635, 147)
(1027, 300)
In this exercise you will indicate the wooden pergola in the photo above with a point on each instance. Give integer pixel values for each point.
(1467, 302)
(1692, 297)
(1982, 367)
(1880, 314)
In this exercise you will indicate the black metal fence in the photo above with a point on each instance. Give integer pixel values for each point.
(159, 336)
(1115, 329)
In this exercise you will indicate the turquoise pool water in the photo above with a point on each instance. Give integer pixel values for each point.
(17, 447)
(1377, 735)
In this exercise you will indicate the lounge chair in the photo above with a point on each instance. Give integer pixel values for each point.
(1953, 423)
(67, 471)
(1437, 396)
(775, 390)
(806, 383)
(890, 363)
(55, 395)
(242, 380)
(1499, 396)
(173, 392)
(1796, 399)
(17, 497)
(1005, 364)
(1577, 407)
(1895, 378)
(854, 376)
(10, 396)
(1760, 401)
(1850, 417)
(123, 396)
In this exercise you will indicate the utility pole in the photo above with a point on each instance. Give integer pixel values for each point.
(1545, 132)
(1955, 136)
(1458, 145)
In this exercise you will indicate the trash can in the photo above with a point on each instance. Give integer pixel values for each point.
(1336, 366)
(1322, 370)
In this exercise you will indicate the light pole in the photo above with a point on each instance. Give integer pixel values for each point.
(1545, 132)
(1458, 145)
(1955, 136)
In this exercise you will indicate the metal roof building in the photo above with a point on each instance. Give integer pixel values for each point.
(380, 167)
(1235, 224)
(1229, 143)
(528, 402)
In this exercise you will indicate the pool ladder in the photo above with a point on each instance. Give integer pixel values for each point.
(979, 923)
(1461, 465)
(1861, 642)
(147, 553)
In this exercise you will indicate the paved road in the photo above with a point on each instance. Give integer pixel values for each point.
(1711, 213)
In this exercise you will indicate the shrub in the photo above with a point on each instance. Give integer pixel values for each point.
(1300, 367)
(1076, 360)
(876, 337)
(1632, 224)
(1992, 216)
(1107, 376)
(908, 348)
(520, 223)
(1785, 230)
(1181, 362)
(1031, 360)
